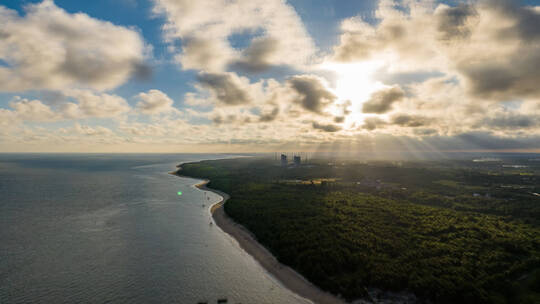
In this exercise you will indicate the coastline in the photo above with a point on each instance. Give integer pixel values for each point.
(288, 277)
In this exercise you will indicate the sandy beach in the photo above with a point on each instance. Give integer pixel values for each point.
(286, 275)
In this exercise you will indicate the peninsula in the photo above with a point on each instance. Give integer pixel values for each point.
(444, 232)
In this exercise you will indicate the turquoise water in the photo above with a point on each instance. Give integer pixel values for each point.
(112, 228)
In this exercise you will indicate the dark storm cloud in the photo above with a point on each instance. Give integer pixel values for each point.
(382, 101)
(314, 96)
(226, 87)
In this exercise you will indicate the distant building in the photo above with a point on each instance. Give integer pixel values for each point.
(283, 160)
(297, 160)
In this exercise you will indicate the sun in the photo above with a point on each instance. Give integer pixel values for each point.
(354, 83)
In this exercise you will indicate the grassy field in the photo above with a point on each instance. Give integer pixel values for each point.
(418, 227)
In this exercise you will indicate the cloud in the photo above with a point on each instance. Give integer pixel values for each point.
(498, 62)
(49, 48)
(356, 41)
(492, 46)
(89, 131)
(515, 76)
(7, 118)
(206, 54)
(489, 141)
(226, 88)
(91, 104)
(382, 101)
(32, 110)
(257, 57)
(414, 121)
(372, 123)
(154, 102)
(466, 68)
(86, 104)
(452, 22)
(205, 26)
(269, 116)
(339, 119)
(512, 121)
(313, 94)
(238, 119)
(453, 77)
(326, 127)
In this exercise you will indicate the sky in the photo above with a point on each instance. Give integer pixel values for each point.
(269, 75)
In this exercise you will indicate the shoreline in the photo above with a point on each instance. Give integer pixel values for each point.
(288, 277)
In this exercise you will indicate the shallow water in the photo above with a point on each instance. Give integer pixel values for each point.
(112, 228)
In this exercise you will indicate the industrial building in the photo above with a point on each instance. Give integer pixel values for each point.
(283, 160)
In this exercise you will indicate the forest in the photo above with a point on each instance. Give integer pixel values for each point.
(449, 232)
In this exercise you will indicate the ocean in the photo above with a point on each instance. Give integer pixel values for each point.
(112, 228)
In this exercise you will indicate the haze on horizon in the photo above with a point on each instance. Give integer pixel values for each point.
(259, 76)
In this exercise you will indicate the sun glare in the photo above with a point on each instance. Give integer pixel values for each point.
(355, 83)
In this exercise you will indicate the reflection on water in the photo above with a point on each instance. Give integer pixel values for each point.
(112, 228)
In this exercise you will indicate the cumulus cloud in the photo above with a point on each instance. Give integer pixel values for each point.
(326, 127)
(7, 118)
(199, 53)
(460, 65)
(410, 120)
(91, 104)
(154, 102)
(372, 123)
(258, 56)
(205, 26)
(49, 48)
(493, 46)
(503, 65)
(269, 116)
(452, 22)
(238, 119)
(89, 131)
(32, 110)
(469, 71)
(382, 101)
(226, 88)
(313, 93)
(87, 104)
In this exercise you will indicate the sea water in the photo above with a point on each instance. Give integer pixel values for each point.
(113, 229)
